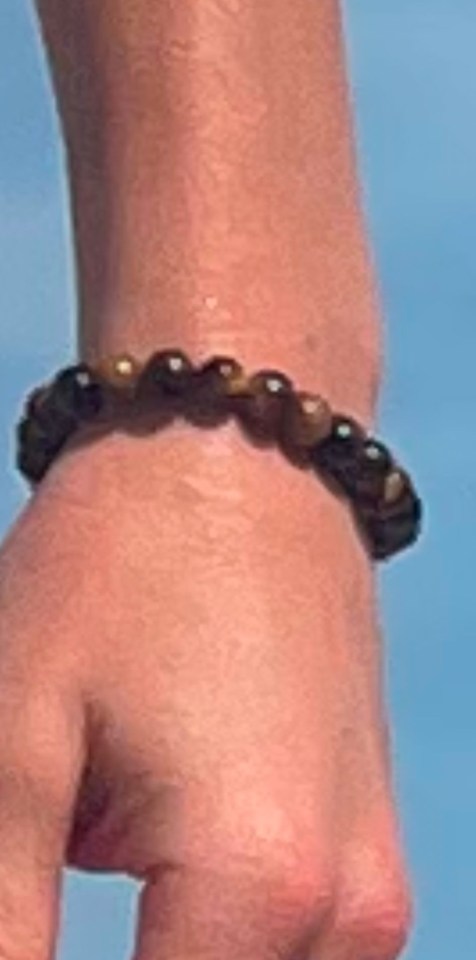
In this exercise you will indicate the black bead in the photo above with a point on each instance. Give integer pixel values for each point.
(36, 400)
(79, 392)
(167, 372)
(39, 437)
(338, 454)
(36, 449)
(373, 462)
(32, 464)
(42, 409)
(31, 435)
(391, 528)
(209, 400)
(376, 457)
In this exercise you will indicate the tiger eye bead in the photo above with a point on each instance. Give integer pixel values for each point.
(307, 419)
(261, 405)
(120, 372)
(78, 391)
(221, 375)
(339, 452)
(166, 373)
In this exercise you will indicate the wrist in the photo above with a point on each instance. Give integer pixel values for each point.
(208, 480)
(127, 428)
(338, 356)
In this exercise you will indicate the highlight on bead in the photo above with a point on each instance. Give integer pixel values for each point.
(394, 486)
(346, 429)
(176, 363)
(376, 454)
(124, 367)
(271, 382)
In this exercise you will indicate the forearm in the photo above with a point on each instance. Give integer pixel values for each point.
(213, 184)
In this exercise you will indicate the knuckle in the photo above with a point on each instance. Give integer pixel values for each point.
(377, 923)
(295, 871)
(375, 909)
(309, 889)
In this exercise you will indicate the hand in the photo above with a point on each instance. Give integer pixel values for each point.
(190, 693)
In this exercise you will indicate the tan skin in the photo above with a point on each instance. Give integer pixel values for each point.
(191, 684)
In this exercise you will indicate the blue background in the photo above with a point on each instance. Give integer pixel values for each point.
(413, 74)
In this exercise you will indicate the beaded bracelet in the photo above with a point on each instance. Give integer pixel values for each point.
(385, 505)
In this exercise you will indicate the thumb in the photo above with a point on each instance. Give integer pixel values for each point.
(41, 755)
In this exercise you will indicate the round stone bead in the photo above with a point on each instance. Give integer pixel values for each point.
(374, 463)
(120, 372)
(32, 464)
(37, 447)
(376, 456)
(42, 408)
(30, 435)
(390, 528)
(260, 403)
(166, 373)
(35, 401)
(78, 391)
(213, 387)
(222, 376)
(338, 454)
(307, 420)
(44, 434)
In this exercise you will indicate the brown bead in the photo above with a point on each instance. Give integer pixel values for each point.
(213, 385)
(261, 406)
(238, 383)
(221, 375)
(307, 419)
(121, 372)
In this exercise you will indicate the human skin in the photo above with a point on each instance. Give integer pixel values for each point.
(191, 684)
